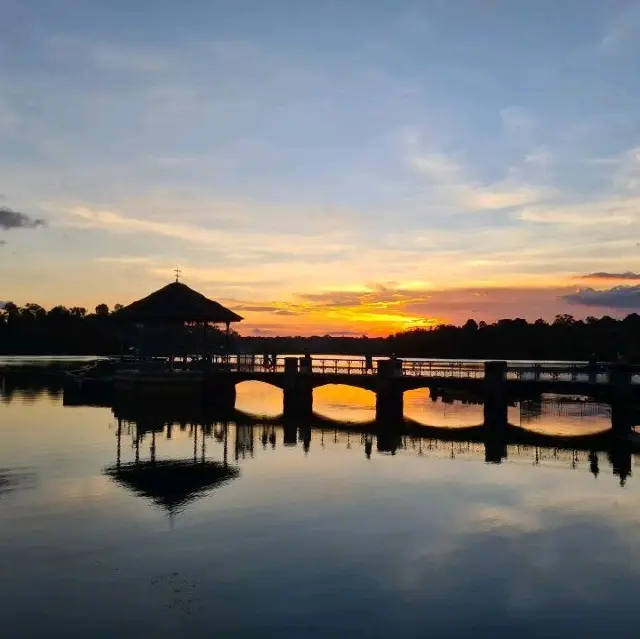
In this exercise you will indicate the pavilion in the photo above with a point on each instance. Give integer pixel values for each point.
(177, 303)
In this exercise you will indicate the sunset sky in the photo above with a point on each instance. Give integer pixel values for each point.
(343, 166)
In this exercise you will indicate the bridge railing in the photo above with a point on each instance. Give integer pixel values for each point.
(558, 372)
(436, 368)
(530, 372)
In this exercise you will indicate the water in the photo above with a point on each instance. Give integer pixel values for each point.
(339, 534)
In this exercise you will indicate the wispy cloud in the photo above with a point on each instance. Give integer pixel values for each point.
(245, 244)
(454, 188)
(618, 211)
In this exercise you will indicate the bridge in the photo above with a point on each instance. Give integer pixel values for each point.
(496, 383)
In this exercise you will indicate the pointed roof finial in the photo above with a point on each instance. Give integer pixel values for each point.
(178, 273)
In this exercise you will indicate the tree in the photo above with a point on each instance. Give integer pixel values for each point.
(36, 311)
(470, 326)
(58, 312)
(102, 310)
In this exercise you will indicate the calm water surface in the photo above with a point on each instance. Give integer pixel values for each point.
(327, 536)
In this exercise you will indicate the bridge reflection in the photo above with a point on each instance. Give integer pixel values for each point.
(243, 436)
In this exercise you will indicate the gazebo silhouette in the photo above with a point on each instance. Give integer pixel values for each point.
(177, 303)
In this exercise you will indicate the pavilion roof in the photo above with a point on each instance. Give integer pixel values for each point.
(176, 302)
(172, 484)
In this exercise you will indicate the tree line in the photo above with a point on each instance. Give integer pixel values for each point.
(564, 338)
(62, 330)
(33, 330)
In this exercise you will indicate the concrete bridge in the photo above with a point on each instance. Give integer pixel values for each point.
(494, 382)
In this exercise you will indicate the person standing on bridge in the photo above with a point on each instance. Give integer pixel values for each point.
(306, 363)
(368, 362)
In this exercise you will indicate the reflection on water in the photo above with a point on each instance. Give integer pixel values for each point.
(258, 398)
(557, 415)
(345, 403)
(164, 520)
(549, 414)
(172, 484)
(447, 410)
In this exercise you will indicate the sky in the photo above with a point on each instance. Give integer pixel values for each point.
(344, 166)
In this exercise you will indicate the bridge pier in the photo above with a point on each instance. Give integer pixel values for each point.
(495, 395)
(389, 393)
(495, 448)
(621, 398)
(220, 391)
(297, 390)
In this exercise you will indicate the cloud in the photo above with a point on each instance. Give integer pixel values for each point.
(618, 297)
(618, 211)
(436, 166)
(603, 275)
(10, 219)
(454, 187)
(251, 245)
(275, 309)
(407, 307)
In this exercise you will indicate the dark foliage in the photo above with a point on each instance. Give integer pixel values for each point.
(32, 330)
(563, 339)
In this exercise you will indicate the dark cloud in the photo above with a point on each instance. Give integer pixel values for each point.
(603, 275)
(10, 219)
(618, 297)
(276, 310)
(284, 311)
(255, 309)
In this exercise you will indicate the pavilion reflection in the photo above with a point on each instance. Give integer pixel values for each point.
(170, 483)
